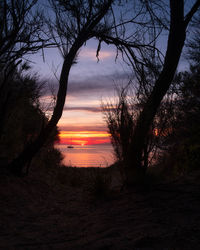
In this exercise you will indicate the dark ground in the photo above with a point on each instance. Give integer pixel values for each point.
(37, 215)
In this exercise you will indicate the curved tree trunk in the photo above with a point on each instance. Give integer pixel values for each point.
(175, 45)
(17, 165)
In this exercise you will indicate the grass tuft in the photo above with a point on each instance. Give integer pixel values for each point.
(99, 184)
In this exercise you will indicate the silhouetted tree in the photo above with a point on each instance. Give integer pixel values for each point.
(120, 118)
(24, 117)
(75, 23)
(78, 21)
(177, 34)
(21, 33)
(184, 139)
(176, 39)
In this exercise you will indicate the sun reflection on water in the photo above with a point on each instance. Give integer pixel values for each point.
(87, 155)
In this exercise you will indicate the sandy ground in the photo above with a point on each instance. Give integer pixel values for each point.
(35, 215)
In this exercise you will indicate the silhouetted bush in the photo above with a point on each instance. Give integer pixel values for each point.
(24, 120)
(182, 153)
(99, 184)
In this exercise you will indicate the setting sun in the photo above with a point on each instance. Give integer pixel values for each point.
(84, 137)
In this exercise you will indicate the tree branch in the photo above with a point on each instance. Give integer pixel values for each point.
(190, 14)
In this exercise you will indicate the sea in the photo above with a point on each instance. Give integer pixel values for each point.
(87, 155)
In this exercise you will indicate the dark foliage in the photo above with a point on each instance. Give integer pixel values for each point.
(184, 141)
(24, 118)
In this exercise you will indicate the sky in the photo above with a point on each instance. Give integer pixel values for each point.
(90, 82)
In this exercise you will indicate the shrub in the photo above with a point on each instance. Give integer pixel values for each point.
(99, 183)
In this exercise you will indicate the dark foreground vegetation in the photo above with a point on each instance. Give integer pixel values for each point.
(149, 199)
(81, 208)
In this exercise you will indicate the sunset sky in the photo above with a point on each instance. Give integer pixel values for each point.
(90, 82)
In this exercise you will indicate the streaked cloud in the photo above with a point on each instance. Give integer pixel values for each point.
(82, 127)
(96, 84)
(89, 109)
(90, 86)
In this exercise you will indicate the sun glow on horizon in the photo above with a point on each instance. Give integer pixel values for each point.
(84, 137)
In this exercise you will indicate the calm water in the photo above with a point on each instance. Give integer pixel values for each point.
(87, 156)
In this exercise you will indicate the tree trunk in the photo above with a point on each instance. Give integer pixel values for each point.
(17, 165)
(174, 48)
(29, 152)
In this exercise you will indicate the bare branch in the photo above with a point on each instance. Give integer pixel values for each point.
(191, 13)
